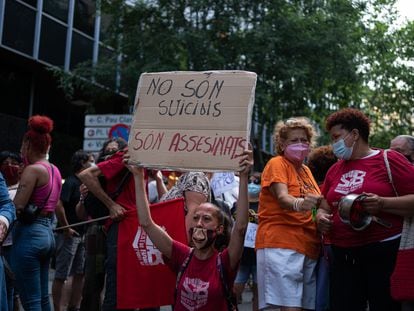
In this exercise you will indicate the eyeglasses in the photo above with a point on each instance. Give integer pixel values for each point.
(255, 181)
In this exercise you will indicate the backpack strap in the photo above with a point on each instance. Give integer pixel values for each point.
(231, 303)
(181, 271)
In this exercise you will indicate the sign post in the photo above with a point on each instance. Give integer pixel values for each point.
(192, 120)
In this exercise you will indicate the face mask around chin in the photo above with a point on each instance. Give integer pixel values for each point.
(202, 238)
(341, 150)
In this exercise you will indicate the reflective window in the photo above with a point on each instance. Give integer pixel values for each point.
(107, 60)
(84, 18)
(52, 42)
(33, 3)
(18, 27)
(57, 8)
(105, 23)
(82, 49)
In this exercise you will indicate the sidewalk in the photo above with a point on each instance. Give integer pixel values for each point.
(246, 304)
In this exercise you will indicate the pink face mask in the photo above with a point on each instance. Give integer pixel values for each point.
(297, 152)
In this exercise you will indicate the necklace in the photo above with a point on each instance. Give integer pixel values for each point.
(305, 183)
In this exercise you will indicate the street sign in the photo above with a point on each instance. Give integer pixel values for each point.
(107, 120)
(100, 127)
(96, 132)
(119, 130)
(93, 144)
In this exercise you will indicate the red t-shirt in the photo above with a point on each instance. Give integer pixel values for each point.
(368, 175)
(114, 170)
(200, 286)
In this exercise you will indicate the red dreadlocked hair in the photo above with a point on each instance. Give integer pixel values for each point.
(39, 133)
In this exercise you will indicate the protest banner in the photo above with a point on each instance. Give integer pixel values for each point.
(190, 121)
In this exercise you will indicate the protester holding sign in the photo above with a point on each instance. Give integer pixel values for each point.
(210, 273)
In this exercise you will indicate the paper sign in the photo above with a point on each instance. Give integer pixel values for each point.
(223, 182)
(250, 237)
(192, 120)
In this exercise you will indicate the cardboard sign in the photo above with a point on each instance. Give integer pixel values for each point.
(192, 121)
(223, 182)
(250, 237)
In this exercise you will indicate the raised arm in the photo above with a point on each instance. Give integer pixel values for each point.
(158, 236)
(90, 178)
(236, 243)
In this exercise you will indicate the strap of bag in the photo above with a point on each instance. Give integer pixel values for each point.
(387, 165)
(181, 271)
(407, 234)
(121, 185)
(232, 306)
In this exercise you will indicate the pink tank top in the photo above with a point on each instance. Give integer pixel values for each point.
(53, 187)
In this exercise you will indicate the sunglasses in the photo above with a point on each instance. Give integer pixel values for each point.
(255, 181)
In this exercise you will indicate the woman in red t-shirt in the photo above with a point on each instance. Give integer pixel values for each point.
(201, 286)
(363, 260)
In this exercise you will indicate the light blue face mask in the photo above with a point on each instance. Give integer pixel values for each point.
(341, 150)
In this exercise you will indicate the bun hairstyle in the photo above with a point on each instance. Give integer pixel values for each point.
(38, 134)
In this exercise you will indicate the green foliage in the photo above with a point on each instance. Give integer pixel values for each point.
(312, 57)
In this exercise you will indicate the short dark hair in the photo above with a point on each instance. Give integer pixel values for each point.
(320, 160)
(349, 119)
(10, 154)
(78, 159)
(122, 143)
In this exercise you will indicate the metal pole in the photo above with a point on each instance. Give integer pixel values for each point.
(82, 223)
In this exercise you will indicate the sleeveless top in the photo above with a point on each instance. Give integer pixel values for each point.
(53, 187)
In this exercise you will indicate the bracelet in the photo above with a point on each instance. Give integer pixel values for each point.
(297, 204)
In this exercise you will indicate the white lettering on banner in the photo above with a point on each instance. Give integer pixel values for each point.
(250, 237)
(223, 182)
(147, 253)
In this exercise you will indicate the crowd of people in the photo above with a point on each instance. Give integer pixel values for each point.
(303, 255)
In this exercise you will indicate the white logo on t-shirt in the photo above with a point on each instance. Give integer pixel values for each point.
(194, 293)
(147, 253)
(350, 181)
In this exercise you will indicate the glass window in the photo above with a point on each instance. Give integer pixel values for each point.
(106, 21)
(18, 27)
(33, 3)
(52, 42)
(84, 18)
(107, 61)
(82, 49)
(57, 8)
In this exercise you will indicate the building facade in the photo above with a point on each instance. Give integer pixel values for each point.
(35, 37)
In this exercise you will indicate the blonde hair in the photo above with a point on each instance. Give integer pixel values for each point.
(282, 128)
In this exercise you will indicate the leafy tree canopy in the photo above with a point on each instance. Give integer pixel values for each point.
(312, 57)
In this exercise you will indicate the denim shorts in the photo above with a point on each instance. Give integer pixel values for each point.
(70, 256)
(244, 273)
